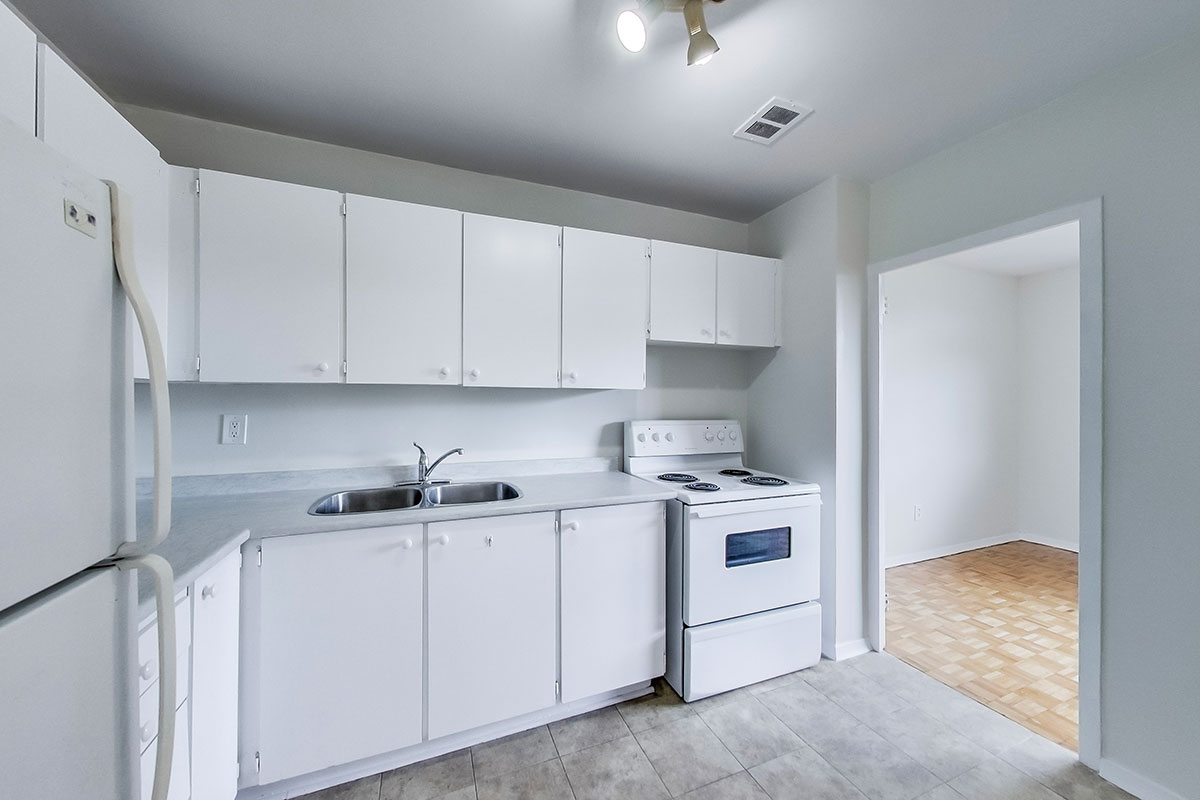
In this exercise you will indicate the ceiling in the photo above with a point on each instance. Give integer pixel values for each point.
(540, 90)
(1018, 256)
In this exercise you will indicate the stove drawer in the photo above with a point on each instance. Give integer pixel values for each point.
(744, 557)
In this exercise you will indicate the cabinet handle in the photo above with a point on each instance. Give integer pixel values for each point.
(323, 366)
(474, 374)
(208, 591)
(444, 372)
(571, 526)
(147, 732)
(147, 671)
(407, 544)
(443, 539)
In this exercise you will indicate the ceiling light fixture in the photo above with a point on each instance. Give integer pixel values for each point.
(632, 25)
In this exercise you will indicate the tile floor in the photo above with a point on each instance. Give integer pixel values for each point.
(870, 727)
(1001, 625)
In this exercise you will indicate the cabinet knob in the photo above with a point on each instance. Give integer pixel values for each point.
(407, 544)
(705, 332)
(443, 539)
(572, 376)
(725, 334)
(208, 591)
(323, 366)
(147, 671)
(487, 540)
(147, 732)
(474, 374)
(444, 372)
(571, 526)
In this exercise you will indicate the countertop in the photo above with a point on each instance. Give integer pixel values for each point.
(206, 528)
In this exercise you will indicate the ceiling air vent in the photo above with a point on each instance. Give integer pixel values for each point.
(772, 121)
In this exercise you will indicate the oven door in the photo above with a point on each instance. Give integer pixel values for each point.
(748, 556)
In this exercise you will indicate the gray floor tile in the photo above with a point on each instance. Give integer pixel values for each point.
(940, 749)
(361, 789)
(654, 709)
(810, 714)
(616, 770)
(545, 781)
(687, 755)
(721, 699)
(512, 753)
(588, 730)
(430, 779)
(739, 786)
(908, 683)
(855, 692)
(990, 729)
(1058, 768)
(878, 768)
(943, 792)
(998, 780)
(775, 683)
(465, 793)
(803, 775)
(751, 732)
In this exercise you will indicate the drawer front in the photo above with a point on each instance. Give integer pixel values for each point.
(148, 652)
(181, 778)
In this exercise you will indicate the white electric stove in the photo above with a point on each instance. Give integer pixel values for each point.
(743, 557)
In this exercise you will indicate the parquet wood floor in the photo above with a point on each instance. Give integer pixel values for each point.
(1001, 625)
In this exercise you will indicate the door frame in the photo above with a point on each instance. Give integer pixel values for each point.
(1089, 215)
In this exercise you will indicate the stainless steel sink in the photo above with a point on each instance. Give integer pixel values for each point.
(389, 498)
(395, 498)
(453, 494)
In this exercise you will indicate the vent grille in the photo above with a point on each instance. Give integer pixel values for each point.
(775, 118)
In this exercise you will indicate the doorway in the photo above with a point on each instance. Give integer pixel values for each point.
(975, 494)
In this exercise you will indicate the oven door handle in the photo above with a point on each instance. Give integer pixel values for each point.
(751, 506)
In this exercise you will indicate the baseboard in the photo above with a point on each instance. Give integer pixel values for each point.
(951, 549)
(844, 650)
(1061, 544)
(1135, 784)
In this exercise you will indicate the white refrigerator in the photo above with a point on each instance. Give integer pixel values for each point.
(68, 544)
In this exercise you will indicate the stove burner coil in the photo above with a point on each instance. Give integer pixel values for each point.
(703, 486)
(735, 473)
(763, 480)
(677, 477)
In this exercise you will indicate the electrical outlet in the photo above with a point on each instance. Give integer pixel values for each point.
(233, 428)
(917, 512)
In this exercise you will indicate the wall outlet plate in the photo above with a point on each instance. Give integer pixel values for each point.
(233, 428)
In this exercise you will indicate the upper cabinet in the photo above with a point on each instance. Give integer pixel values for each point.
(683, 287)
(403, 292)
(702, 296)
(747, 288)
(18, 70)
(269, 281)
(511, 302)
(78, 122)
(604, 303)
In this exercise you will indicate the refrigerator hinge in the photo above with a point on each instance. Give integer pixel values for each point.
(260, 556)
(557, 690)
(197, 186)
(258, 762)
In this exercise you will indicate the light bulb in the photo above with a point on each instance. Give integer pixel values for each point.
(631, 30)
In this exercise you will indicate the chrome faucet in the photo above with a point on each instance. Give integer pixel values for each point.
(424, 468)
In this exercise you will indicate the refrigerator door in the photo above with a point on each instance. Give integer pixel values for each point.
(67, 490)
(67, 659)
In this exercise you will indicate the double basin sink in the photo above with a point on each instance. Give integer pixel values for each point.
(395, 498)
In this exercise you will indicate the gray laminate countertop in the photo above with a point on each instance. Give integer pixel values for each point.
(206, 528)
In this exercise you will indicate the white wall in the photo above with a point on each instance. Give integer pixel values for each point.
(308, 427)
(949, 397)
(1048, 350)
(1129, 137)
(805, 400)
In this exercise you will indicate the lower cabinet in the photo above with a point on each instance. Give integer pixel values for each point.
(614, 596)
(492, 620)
(215, 608)
(340, 648)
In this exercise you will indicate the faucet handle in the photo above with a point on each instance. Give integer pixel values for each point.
(422, 449)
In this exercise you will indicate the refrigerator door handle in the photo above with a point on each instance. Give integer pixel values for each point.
(122, 236)
(164, 597)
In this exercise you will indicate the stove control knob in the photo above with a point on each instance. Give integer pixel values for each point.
(654, 436)
(733, 436)
(708, 436)
(721, 435)
(670, 437)
(641, 437)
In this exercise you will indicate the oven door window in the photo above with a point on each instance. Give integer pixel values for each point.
(757, 547)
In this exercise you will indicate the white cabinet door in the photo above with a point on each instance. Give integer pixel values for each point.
(270, 281)
(79, 123)
(491, 620)
(614, 597)
(182, 202)
(18, 70)
(215, 680)
(683, 289)
(512, 275)
(604, 287)
(746, 288)
(340, 648)
(403, 292)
